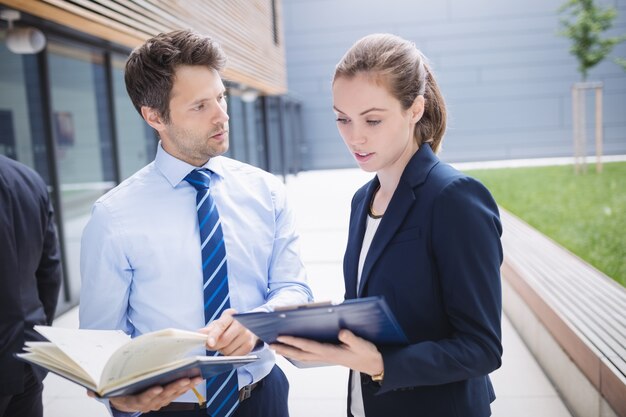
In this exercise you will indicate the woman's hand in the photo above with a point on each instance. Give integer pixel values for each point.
(353, 352)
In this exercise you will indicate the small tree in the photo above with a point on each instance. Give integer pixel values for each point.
(587, 21)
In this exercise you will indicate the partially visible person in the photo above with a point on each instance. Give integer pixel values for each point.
(422, 235)
(192, 237)
(30, 279)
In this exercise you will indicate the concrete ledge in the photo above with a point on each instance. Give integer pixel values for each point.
(559, 330)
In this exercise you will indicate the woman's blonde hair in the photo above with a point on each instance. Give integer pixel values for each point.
(403, 69)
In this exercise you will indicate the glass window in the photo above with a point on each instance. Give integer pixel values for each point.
(291, 135)
(237, 129)
(253, 147)
(21, 128)
(81, 131)
(136, 140)
(245, 129)
(274, 134)
(260, 133)
(13, 107)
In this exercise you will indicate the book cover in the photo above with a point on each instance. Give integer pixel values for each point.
(110, 363)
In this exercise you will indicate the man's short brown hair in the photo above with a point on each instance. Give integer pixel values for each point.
(149, 73)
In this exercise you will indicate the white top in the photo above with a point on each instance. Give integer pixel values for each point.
(356, 405)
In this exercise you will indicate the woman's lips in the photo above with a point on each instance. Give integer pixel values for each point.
(363, 156)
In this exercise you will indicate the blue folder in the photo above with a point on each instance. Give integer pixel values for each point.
(369, 318)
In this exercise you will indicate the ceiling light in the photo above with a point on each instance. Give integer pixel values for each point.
(22, 40)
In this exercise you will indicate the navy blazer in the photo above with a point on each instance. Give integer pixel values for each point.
(30, 267)
(436, 259)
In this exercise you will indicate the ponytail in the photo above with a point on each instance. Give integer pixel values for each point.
(432, 126)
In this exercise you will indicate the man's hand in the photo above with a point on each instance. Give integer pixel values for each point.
(228, 336)
(353, 352)
(154, 398)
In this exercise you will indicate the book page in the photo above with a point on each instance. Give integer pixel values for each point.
(46, 352)
(89, 349)
(53, 366)
(151, 352)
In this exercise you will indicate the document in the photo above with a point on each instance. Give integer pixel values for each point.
(369, 318)
(110, 363)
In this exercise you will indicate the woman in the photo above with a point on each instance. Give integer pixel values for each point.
(422, 235)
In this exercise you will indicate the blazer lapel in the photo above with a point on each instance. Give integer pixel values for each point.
(355, 239)
(403, 198)
(397, 210)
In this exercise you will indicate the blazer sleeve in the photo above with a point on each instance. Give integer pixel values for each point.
(466, 254)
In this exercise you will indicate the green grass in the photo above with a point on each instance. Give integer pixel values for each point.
(585, 213)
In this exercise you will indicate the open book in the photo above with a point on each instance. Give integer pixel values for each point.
(110, 363)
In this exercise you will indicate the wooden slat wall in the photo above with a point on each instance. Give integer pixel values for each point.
(243, 28)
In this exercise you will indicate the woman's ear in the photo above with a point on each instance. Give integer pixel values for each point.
(417, 109)
(153, 118)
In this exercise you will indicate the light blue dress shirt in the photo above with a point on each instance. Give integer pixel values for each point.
(141, 261)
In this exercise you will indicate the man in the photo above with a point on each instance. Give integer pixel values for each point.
(30, 279)
(147, 252)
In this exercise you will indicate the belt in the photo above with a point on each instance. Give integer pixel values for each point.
(244, 394)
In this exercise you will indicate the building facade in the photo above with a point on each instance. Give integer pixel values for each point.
(64, 111)
(505, 73)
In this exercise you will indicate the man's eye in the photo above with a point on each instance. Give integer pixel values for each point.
(199, 107)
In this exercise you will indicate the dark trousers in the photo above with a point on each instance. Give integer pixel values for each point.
(27, 403)
(268, 399)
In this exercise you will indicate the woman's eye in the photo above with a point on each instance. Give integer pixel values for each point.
(373, 122)
(342, 120)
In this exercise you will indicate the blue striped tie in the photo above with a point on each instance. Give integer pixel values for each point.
(222, 390)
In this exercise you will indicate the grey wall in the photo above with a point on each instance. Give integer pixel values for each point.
(505, 74)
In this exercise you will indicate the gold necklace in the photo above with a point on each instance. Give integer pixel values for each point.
(371, 207)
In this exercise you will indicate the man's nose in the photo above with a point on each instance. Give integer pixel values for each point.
(220, 116)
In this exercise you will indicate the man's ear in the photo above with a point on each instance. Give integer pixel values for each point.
(417, 108)
(153, 118)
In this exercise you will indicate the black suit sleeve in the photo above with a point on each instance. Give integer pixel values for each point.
(49, 272)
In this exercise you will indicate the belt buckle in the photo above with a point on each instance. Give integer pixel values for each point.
(246, 392)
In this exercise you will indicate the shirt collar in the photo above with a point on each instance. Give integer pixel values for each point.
(175, 170)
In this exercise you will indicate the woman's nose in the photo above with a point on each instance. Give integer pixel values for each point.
(356, 137)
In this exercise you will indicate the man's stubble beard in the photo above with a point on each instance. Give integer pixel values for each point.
(198, 150)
